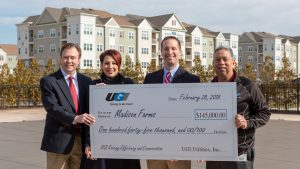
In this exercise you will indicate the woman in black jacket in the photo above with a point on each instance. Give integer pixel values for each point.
(110, 64)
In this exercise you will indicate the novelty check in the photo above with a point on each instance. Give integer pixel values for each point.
(164, 121)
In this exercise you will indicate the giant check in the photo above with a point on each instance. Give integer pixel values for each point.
(164, 121)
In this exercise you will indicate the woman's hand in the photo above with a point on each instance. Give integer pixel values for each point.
(88, 153)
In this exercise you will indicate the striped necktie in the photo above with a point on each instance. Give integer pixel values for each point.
(73, 93)
(168, 78)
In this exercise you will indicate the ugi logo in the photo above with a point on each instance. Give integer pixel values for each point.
(117, 96)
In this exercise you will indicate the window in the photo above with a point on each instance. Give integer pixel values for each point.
(273, 46)
(265, 47)
(87, 46)
(250, 58)
(145, 50)
(1, 57)
(234, 45)
(197, 54)
(174, 22)
(204, 43)
(87, 29)
(98, 63)
(77, 29)
(112, 46)
(240, 49)
(19, 50)
(180, 38)
(69, 30)
(210, 55)
(25, 50)
(211, 43)
(99, 31)
(145, 65)
(9, 59)
(40, 34)
(52, 48)
(278, 47)
(197, 41)
(130, 49)
(87, 63)
(99, 47)
(240, 58)
(130, 35)
(145, 35)
(167, 34)
(122, 49)
(204, 55)
(26, 36)
(41, 63)
(250, 48)
(52, 32)
(41, 49)
(19, 36)
(112, 33)
(121, 34)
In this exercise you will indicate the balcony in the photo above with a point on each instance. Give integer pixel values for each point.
(188, 44)
(188, 57)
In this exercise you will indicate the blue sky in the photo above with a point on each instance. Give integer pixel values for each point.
(234, 16)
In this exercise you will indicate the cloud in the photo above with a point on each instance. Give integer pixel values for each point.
(5, 20)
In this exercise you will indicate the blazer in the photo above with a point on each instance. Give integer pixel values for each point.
(59, 132)
(181, 76)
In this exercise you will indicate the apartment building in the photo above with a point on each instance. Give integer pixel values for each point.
(8, 55)
(41, 36)
(255, 46)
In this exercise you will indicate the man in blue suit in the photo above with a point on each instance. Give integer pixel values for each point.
(171, 73)
(65, 98)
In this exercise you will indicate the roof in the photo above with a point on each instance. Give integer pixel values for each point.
(159, 21)
(9, 48)
(206, 32)
(32, 19)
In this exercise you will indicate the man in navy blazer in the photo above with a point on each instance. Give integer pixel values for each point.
(62, 133)
(171, 73)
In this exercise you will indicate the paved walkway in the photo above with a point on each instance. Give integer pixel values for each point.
(277, 143)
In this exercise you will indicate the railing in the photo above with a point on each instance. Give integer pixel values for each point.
(19, 96)
(282, 97)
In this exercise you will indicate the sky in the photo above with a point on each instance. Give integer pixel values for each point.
(227, 16)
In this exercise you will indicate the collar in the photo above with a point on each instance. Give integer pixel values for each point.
(66, 76)
(172, 71)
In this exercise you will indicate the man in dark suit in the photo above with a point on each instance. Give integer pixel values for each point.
(65, 98)
(171, 73)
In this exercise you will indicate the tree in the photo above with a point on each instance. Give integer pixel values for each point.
(182, 64)
(128, 69)
(285, 74)
(49, 68)
(34, 72)
(267, 70)
(152, 67)
(5, 76)
(138, 75)
(249, 72)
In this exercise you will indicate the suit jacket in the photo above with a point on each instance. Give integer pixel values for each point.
(59, 132)
(181, 76)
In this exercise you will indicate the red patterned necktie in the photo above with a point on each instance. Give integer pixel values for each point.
(73, 92)
(168, 78)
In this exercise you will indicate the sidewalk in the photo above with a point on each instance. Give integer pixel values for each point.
(277, 143)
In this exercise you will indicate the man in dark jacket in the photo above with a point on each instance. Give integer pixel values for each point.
(171, 73)
(65, 98)
(252, 110)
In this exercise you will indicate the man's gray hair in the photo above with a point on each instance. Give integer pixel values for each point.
(224, 48)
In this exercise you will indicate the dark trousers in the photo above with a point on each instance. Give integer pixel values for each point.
(109, 164)
(233, 164)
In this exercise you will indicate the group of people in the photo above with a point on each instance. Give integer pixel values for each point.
(65, 98)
